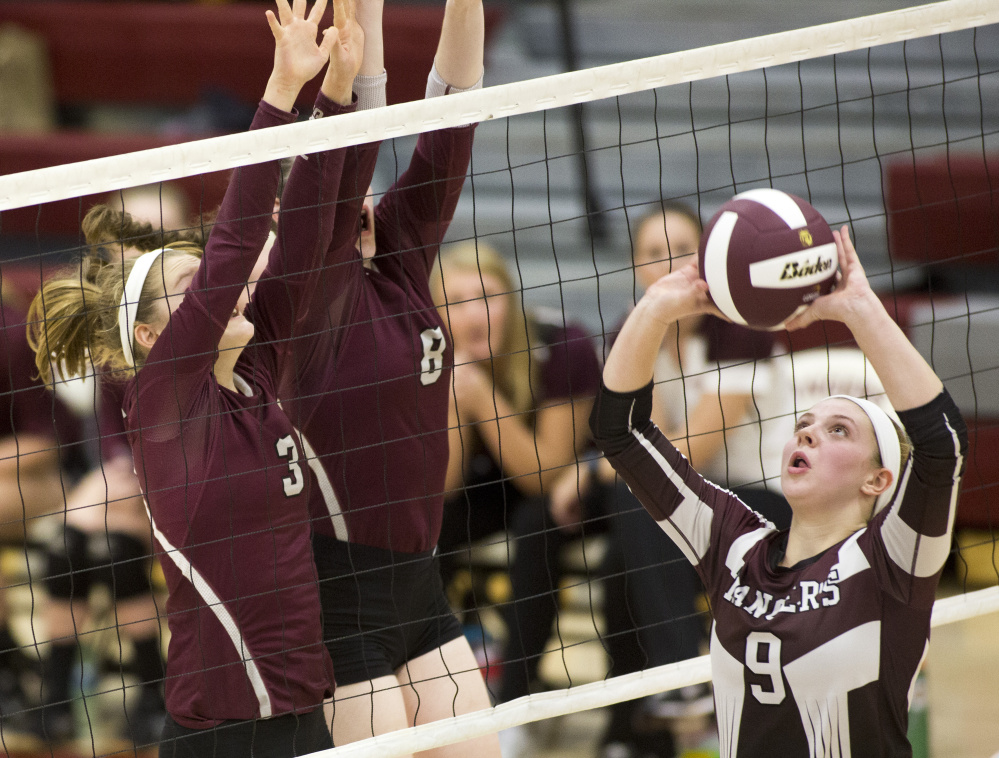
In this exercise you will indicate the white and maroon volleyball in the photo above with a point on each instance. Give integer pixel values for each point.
(765, 256)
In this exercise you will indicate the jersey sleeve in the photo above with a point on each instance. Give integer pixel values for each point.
(358, 172)
(912, 536)
(414, 215)
(110, 421)
(305, 228)
(185, 352)
(331, 297)
(702, 519)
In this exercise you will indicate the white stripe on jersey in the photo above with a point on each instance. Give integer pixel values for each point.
(915, 553)
(729, 679)
(736, 558)
(851, 558)
(690, 524)
(225, 618)
(329, 494)
(821, 679)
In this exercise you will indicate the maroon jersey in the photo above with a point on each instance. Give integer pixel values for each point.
(817, 659)
(223, 472)
(113, 440)
(370, 380)
(567, 364)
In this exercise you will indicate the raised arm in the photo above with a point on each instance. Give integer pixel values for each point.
(461, 48)
(678, 498)
(308, 208)
(243, 222)
(632, 360)
(414, 215)
(908, 379)
(915, 533)
(359, 161)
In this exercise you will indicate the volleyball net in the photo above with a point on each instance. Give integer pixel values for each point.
(887, 123)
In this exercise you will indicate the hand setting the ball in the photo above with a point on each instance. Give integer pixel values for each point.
(766, 255)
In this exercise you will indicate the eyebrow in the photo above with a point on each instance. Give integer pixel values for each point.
(808, 415)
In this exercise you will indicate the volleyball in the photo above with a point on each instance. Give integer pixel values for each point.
(766, 255)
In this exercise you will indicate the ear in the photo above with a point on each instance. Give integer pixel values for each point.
(145, 336)
(877, 482)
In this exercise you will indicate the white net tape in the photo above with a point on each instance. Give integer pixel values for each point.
(596, 695)
(222, 153)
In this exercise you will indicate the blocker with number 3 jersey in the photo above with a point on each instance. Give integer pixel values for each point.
(222, 471)
(817, 659)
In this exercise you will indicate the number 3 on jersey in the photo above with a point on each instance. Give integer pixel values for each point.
(295, 482)
(770, 666)
(433, 355)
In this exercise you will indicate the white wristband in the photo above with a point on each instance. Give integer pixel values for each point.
(437, 87)
(370, 91)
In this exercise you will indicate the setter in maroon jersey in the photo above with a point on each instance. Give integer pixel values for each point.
(369, 387)
(819, 630)
(220, 464)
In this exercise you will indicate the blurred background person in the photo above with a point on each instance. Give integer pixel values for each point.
(522, 392)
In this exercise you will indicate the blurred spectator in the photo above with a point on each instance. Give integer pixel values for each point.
(523, 389)
(30, 491)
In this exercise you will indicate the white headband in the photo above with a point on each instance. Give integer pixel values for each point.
(129, 305)
(888, 446)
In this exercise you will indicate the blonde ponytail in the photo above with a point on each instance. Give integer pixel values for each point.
(73, 320)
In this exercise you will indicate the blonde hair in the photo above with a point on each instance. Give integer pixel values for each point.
(73, 320)
(904, 447)
(514, 371)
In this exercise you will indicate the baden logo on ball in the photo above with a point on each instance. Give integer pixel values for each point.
(766, 255)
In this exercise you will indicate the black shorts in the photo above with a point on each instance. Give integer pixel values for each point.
(281, 737)
(381, 608)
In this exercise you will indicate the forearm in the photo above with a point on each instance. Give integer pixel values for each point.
(27, 455)
(632, 359)
(369, 16)
(460, 53)
(242, 225)
(338, 85)
(309, 206)
(358, 170)
(909, 381)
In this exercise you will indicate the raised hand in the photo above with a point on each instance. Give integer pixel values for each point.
(678, 294)
(346, 52)
(297, 55)
(852, 289)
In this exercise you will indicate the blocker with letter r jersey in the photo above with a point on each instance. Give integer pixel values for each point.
(817, 659)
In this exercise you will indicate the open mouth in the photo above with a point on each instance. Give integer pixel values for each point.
(799, 462)
(364, 220)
